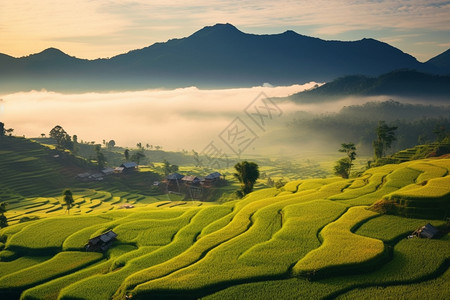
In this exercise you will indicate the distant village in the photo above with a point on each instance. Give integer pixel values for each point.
(99, 176)
(189, 185)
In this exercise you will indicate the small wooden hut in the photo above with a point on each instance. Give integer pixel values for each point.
(102, 242)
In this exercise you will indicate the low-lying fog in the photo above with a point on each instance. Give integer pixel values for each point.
(186, 118)
(234, 120)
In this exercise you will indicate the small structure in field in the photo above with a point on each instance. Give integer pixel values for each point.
(126, 206)
(102, 242)
(191, 180)
(173, 182)
(129, 166)
(108, 171)
(213, 177)
(118, 170)
(427, 231)
(174, 177)
(84, 176)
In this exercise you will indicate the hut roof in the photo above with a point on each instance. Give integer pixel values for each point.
(214, 175)
(174, 176)
(129, 165)
(108, 236)
(101, 242)
(107, 171)
(428, 231)
(191, 178)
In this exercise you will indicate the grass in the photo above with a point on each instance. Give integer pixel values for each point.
(342, 249)
(48, 235)
(60, 264)
(389, 228)
(432, 289)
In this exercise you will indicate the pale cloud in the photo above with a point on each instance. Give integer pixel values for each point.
(446, 45)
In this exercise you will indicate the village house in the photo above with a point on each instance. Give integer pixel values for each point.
(102, 242)
(191, 180)
(129, 166)
(108, 171)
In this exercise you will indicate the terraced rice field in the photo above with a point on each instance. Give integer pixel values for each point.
(312, 239)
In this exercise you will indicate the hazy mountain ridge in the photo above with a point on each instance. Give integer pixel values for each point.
(403, 83)
(215, 56)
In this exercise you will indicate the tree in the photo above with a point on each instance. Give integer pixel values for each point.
(2, 129)
(68, 199)
(385, 137)
(75, 147)
(349, 149)
(246, 173)
(42, 135)
(111, 144)
(198, 161)
(440, 133)
(168, 168)
(139, 145)
(101, 159)
(61, 137)
(9, 131)
(344, 165)
(127, 154)
(3, 219)
(136, 157)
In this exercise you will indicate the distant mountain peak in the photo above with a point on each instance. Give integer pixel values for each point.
(52, 51)
(218, 29)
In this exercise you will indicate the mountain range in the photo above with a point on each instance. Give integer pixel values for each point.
(216, 56)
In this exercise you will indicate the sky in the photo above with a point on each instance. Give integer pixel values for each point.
(105, 28)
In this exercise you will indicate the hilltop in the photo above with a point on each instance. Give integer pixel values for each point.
(215, 56)
(400, 83)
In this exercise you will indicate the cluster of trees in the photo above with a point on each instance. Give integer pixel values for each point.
(385, 135)
(415, 123)
(62, 138)
(136, 157)
(3, 130)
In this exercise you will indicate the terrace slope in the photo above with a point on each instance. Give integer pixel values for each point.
(313, 238)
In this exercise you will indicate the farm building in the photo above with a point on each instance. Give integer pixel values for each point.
(213, 177)
(102, 242)
(129, 166)
(427, 231)
(118, 170)
(174, 177)
(172, 181)
(108, 171)
(191, 179)
(83, 176)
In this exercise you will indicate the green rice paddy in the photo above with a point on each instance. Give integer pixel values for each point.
(311, 239)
